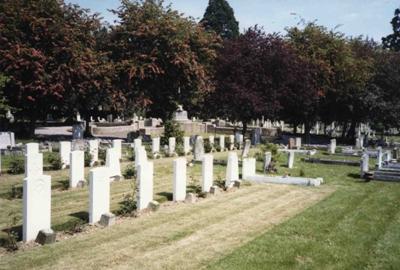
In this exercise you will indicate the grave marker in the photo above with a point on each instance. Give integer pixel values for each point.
(207, 173)
(232, 169)
(99, 193)
(65, 150)
(179, 180)
(77, 169)
(145, 172)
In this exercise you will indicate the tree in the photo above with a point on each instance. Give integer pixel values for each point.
(3, 101)
(160, 59)
(252, 73)
(392, 41)
(220, 17)
(46, 51)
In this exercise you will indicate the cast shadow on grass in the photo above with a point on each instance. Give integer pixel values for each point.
(166, 196)
(16, 230)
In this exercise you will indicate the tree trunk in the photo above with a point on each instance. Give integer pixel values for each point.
(88, 131)
(352, 130)
(244, 128)
(344, 130)
(307, 133)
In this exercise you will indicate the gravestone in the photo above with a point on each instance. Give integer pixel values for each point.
(33, 161)
(207, 173)
(222, 142)
(94, 152)
(186, 145)
(78, 130)
(171, 146)
(77, 169)
(246, 149)
(332, 147)
(364, 164)
(199, 149)
(138, 143)
(99, 193)
(248, 168)
(298, 143)
(181, 115)
(231, 142)
(256, 136)
(36, 206)
(78, 145)
(145, 173)
(292, 143)
(155, 147)
(7, 139)
(232, 170)
(290, 159)
(113, 165)
(117, 145)
(211, 139)
(380, 158)
(65, 150)
(140, 156)
(179, 180)
(267, 160)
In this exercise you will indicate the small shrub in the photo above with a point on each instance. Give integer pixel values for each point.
(102, 154)
(129, 173)
(16, 191)
(207, 146)
(218, 148)
(16, 166)
(179, 150)
(259, 156)
(172, 129)
(302, 172)
(54, 161)
(129, 204)
(12, 236)
(130, 154)
(88, 158)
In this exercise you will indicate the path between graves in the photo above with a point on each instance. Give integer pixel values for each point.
(183, 236)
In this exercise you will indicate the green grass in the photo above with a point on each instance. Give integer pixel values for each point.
(355, 228)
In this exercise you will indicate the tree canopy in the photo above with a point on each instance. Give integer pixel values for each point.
(392, 41)
(220, 18)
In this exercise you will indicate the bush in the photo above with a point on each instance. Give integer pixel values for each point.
(88, 158)
(129, 173)
(179, 150)
(102, 155)
(207, 146)
(17, 166)
(218, 148)
(172, 129)
(128, 205)
(54, 160)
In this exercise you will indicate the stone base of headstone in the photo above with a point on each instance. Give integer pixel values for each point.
(116, 178)
(46, 237)
(154, 206)
(214, 190)
(190, 198)
(81, 184)
(237, 184)
(107, 220)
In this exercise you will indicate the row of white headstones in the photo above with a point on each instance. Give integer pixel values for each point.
(37, 186)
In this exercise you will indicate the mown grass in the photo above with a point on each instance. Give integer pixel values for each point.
(355, 228)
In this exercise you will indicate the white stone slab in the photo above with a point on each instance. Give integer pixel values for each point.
(199, 149)
(113, 164)
(267, 160)
(99, 194)
(31, 148)
(171, 146)
(94, 151)
(332, 147)
(179, 180)
(222, 142)
(140, 156)
(298, 143)
(232, 169)
(286, 180)
(65, 150)
(33, 161)
(117, 144)
(186, 145)
(231, 142)
(145, 172)
(155, 147)
(290, 159)
(76, 168)
(211, 139)
(248, 168)
(36, 206)
(207, 176)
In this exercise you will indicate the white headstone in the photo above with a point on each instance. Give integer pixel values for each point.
(211, 139)
(232, 169)
(117, 144)
(267, 160)
(290, 159)
(33, 161)
(364, 164)
(113, 164)
(155, 147)
(36, 206)
(140, 156)
(94, 151)
(99, 194)
(298, 143)
(380, 158)
(186, 145)
(77, 168)
(138, 143)
(207, 173)
(179, 181)
(145, 173)
(332, 146)
(231, 142)
(171, 146)
(222, 142)
(246, 149)
(248, 167)
(199, 149)
(65, 150)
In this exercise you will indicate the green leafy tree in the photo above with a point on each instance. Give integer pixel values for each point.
(161, 59)
(3, 101)
(392, 41)
(220, 17)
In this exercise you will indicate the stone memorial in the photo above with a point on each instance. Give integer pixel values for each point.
(290, 159)
(7, 139)
(232, 170)
(140, 156)
(292, 143)
(364, 164)
(77, 169)
(207, 173)
(298, 143)
(36, 206)
(145, 172)
(33, 161)
(181, 115)
(99, 193)
(65, 150)
(155, 146)
(117, 145)
(231, 142)
(379, 158)
(246, 149)
(113, 164)
(256, 136)
(222, 142)
(267, 161)
(138, 143)
(186, 145)
(211, 139)
(199, 149)
(332, 147)
(179, 180)
(94, 152)
(171, 146)
(248, 167)
(78, 130)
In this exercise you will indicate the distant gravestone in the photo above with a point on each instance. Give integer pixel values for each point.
(207, 173)
(231, 142)
(140, 156)
(246, 149)
(364, 164)
(256, 136)
(33, 161)
(186, 145)
(145, 185)
(232, 169)
(292, 143)
(267, 160)
(248, 167)
(78, 130)
(155, 147)
(65, 150)
(222, 142)
(290, 159)
(332, 147)
(94, 151)
(171, 146)
(77, 169)
(179, 180)
(199, 149)
(7, 139)
(117, 145)
(113, 165)
(298, 143)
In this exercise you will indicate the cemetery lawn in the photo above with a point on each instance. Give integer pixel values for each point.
(345, 223)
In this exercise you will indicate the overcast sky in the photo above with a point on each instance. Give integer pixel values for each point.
(353, 17)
